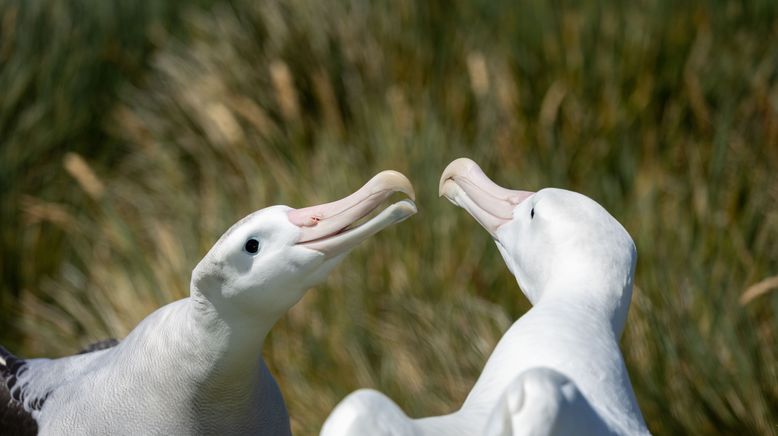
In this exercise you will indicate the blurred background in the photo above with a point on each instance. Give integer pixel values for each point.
(133, 133)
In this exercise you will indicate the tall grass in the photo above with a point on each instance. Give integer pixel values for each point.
(665, 113)
(61, 65)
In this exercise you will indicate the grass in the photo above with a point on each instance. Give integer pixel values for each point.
(665, 113)
(62, 63)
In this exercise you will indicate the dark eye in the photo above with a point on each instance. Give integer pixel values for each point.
(532, 213)
(252, 246)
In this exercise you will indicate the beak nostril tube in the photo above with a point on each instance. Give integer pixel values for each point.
(310, 222)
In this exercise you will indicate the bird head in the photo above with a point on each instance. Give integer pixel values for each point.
(554, 241)
(265, 262)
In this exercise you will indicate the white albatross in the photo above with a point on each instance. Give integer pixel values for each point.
(195, 366)
(558, 370)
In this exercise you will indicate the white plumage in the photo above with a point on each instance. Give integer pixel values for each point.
(559, 366)
(195, 366)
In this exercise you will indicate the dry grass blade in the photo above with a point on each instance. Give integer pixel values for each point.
(758, 289)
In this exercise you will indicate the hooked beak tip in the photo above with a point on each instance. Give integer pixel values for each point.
(458, 167)
(394, 181)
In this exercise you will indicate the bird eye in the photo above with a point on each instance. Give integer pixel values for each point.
(532, 213)
(252, 246)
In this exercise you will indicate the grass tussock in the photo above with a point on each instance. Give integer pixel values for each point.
(665, 113)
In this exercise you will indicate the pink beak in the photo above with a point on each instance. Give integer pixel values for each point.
(465, 184)
(322, 227)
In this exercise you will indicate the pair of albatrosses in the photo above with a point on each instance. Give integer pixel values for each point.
(558, 370)
(195, 366)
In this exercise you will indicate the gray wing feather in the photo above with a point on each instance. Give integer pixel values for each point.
(14, 418)
(99, 345)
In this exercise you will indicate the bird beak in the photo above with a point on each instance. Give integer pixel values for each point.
(327, 227)
(465, 184)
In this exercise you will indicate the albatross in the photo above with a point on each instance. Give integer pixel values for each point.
(558, 369)
(195, 365)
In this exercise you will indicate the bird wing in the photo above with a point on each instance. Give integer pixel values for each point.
(14, 417)
(544, 402)
(367, 411)
(26, 384)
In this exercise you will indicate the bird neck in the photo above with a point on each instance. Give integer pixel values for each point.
(602, 299)
(235, 378)
(229, 333)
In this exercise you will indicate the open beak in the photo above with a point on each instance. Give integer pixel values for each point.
(465, 184)
(327, 227)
